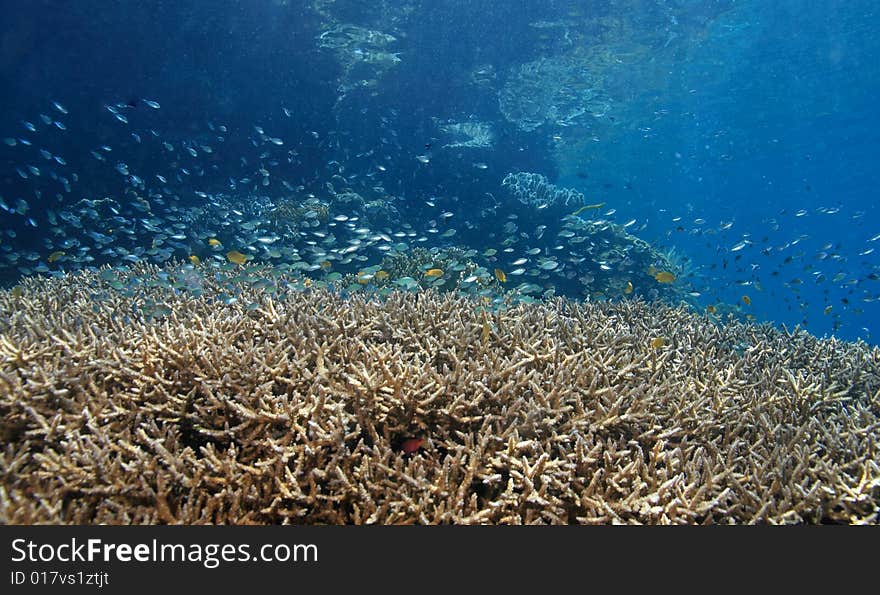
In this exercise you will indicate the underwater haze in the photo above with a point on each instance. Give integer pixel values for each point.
(720, 154)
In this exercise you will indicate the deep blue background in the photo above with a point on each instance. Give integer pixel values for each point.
(764, 109)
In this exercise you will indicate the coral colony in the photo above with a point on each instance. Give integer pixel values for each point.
(420, 407)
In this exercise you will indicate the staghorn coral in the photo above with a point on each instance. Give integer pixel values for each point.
(294, 412)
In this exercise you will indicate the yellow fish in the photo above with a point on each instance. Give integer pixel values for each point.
(747, 300)
(711, 309)
(194, 259)
(597, 205)
(499, 274)
(486, 332)
(326, 265)
(664, 277)
(629, 288)
(381, 275)
(434, 273)
(55, 256)
(236, 257)
(658, 342)
(214, 242)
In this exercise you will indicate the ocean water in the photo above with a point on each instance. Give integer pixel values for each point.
(736, 139)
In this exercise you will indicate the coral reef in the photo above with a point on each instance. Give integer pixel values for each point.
(603, 259)
(536, 190)
(614, 263)
(290, 214)
(454, 263)
(556, 91)
(468, 134)
(421, 408)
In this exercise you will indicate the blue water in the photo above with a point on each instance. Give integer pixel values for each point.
(714, 124)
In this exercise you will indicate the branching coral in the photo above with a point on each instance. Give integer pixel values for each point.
(536, 190)
(295, 412)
